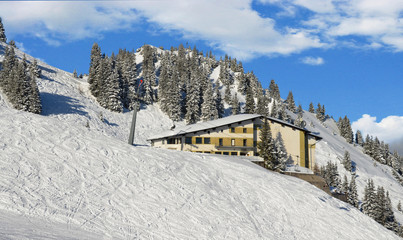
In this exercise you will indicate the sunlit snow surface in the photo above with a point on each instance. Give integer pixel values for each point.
(56, 174)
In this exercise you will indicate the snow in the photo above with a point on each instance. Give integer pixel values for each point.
(61, 180)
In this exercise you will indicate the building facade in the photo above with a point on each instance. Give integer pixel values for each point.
(238, 135)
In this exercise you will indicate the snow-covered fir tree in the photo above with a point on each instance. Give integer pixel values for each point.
(208, 108)
(369, 201)
(235, 105)
(19, 84)
(358, 138)
(218, 101)
(352, 196)
(274, 91)
(345, 129)
(75, 73)
(290, 102)
(249, 102)
(274, 110)
(3, 37)
(280, 153)
(311, 108)
(262, 106)
(347, 163)
(266, 147)
(345, 185)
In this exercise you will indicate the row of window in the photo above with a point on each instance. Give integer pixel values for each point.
(226, 153)
(207, 140)
(244, 130)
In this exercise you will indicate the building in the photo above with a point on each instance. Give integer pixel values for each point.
(238, 135)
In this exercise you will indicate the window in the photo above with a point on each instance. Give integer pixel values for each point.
(245, 130)
(232, 130)
(243, 154)
(188, 140)
(234, 153)
(226, 153)
(245, 141)
(218, 153)
(206, 140)
(232, 142)
(198, 140)
(171, 141)
(220, 142)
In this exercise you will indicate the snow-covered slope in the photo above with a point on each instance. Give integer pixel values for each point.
(332, 148)
(56, 171)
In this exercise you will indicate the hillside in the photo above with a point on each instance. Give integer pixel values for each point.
(56, 170)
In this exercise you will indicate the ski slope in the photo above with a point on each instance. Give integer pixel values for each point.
(62, 180)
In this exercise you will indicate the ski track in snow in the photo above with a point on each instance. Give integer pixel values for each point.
(60, 175)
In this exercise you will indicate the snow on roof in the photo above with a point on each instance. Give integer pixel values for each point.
(202, 126)
(206, 125)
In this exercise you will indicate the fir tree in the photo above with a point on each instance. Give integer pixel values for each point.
(274, 111)
(280, 153)
(311, 108)
(369, 202)
(95, 70)
(75, 74)
(3, 37)
(208, 109)
(249, 102)
(290, 102)
(352, 197)
(266, 146)
(344, 185)
(235, 106)
(399, 206)
(358, 138)
(219, 102)
(261, 107)
(347, 163)
(193, 100)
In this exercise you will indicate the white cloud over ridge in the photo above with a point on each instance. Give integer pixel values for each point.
(389, 129)
(232, 26)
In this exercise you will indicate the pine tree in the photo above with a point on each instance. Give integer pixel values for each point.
(3, 37)
(95, 70)
(274, 111)
(193, 100)
(352, 192)
(249, 102)
(399, 206)
(344, 185)
(290, 102)
(347, 163)
(266, 146)
(388, 218)
(261, 107)
(320, 114)
(75, 74)
(274, 91)
(311, 108)
(235, 106)
(358, 138)
(280, 153)
(209, 109)
(219, 102)
(369, 202)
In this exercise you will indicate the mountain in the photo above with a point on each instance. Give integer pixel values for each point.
(71, 167)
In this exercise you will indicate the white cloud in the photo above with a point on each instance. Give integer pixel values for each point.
(59, 21)
(232, 26)
(315, 61)
(389, 129)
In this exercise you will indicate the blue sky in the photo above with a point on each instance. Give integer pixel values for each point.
(346, 55)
